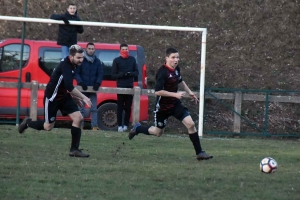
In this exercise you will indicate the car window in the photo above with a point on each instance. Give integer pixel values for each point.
(49, 58)
(10, 57)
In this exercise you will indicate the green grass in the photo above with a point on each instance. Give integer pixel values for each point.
(36, 165)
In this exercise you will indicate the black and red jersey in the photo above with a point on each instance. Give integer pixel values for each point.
(61, 80)
(167, 79)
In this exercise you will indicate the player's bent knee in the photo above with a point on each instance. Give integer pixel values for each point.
(155, 131)
(190, 125)
(48, 127)
(159, 133)
(80, 118)
(77, 119)
(152, 130)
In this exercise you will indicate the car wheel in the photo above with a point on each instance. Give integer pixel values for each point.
(107, 117)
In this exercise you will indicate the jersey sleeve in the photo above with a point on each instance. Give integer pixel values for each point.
(67, 73)
(160, 79)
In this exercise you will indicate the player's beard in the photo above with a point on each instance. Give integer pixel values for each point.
(76, 64)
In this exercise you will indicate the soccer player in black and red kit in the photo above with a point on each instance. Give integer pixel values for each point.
(60, 94)
(168, 104)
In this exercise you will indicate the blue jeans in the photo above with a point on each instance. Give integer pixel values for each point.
(64, 51)
(93, 109)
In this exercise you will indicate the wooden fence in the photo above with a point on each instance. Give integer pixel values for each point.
(236, 96)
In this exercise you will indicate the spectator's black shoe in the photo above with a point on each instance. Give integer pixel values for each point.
(132, 132)
(23, 125)
(78, 153)
(203, 156)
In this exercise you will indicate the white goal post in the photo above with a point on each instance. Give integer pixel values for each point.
(138, 26)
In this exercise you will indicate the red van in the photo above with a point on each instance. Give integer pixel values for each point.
(39, 60)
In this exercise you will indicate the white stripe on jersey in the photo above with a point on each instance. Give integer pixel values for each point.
(156, 110)
(46, 110)
(56, 88)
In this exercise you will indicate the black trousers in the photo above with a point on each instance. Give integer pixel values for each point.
(124, 104)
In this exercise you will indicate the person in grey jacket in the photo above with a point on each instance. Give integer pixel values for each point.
(124, 69)
(67, 34)
(90, 73)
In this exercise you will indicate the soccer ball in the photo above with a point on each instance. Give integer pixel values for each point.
(268, 165)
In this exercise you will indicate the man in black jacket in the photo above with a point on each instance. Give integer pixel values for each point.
(67, 34)
(124, 69)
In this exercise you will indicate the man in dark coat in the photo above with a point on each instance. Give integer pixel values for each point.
(90, 73)
(124, 69)
(67, 33)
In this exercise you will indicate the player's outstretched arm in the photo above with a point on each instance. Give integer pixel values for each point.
(77, 100)
(187, 89)
(76, 93)
(165, 93)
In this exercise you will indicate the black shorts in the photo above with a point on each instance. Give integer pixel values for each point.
(65, 105)
(161, 117)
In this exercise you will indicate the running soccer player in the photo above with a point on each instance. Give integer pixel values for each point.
(168, 104)
(60, 94)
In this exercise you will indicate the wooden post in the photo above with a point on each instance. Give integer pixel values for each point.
(237, 108)
(34, 100)
(136, 105)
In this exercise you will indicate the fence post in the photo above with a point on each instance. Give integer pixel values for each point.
(34, 100)
(237, 108)
(136, 105)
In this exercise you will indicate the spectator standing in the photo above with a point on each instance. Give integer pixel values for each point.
(67, 33)
(90, 73)
(60, 94)
(124, 69)
(168, 103)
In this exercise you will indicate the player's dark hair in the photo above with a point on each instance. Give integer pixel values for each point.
(71, 4)
(90, 43)
(123, 45)
(171, 50)
(75, 49)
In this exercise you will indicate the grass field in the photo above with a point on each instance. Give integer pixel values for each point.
(36, 165)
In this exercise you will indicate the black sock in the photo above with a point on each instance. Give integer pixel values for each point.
(142, 129)
(38, 125)
(76, 135)
(196, 142)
